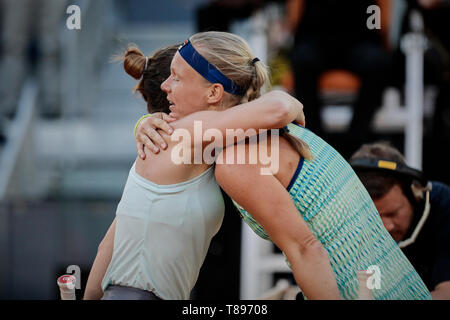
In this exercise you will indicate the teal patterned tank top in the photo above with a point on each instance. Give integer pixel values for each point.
(338, 209)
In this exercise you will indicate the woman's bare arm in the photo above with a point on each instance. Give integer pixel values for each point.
(272, 110)
(271, 205)
(93, 289)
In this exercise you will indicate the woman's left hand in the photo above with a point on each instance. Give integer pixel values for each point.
(148, 136)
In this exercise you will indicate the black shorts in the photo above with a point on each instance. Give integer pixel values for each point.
(128, 293)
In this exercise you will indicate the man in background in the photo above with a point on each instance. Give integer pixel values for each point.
(414, 211)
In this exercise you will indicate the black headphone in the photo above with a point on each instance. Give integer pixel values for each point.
(399, 169)
(419, 190)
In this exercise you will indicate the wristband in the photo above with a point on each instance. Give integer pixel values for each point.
(139, 121)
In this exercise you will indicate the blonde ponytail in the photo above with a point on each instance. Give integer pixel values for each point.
(260, 77)
(300, 146)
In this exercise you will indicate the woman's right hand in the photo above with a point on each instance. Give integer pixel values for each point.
(301, 117)
(295, 106)
(148, 136)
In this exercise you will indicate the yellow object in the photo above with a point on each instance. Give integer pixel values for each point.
(139, 121)
(387, 164)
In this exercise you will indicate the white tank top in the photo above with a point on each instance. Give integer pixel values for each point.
(163, 233)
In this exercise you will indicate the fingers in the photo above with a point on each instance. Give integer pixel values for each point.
(163, 116)
(147, 135)
(163, 125)
(154, 137)
(146, 151)
(144, 141)
(301, 122)
(159, 115)
(140, 150)
(168, 118)
(301, 117)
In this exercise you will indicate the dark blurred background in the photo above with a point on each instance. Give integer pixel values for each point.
(67, 115)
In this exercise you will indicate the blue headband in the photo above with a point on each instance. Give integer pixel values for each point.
(207, 70)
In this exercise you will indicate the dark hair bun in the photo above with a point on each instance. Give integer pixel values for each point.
(134, 62)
